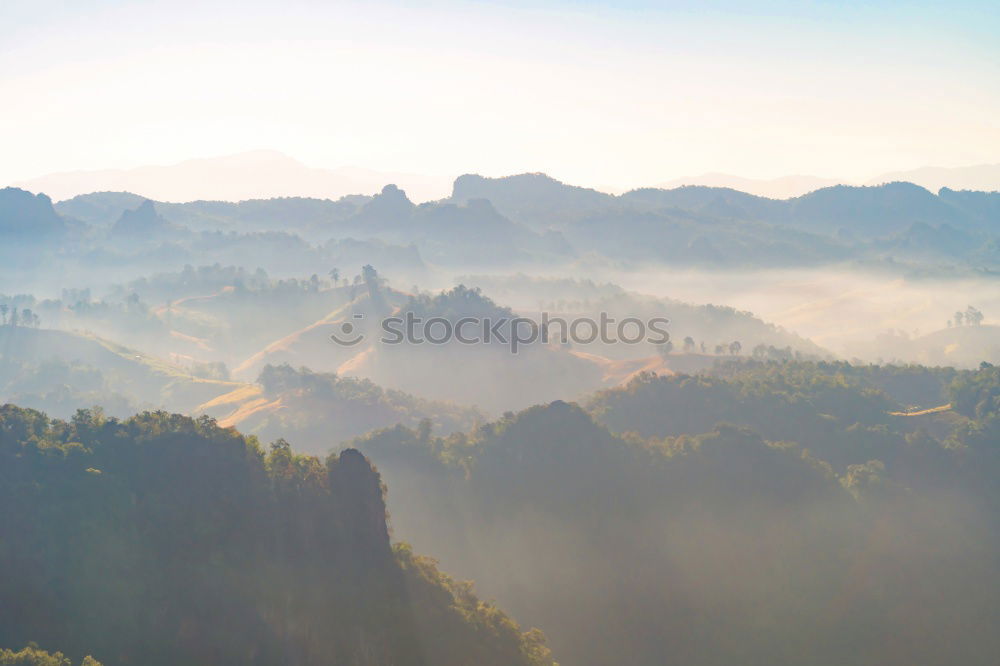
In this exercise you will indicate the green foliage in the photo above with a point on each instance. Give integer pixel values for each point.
(32, 656)
(815, 402)
(721, 546)
(456, 607)
(977, 394)
(58, 386)
(461, 301)
(163, 539)
(327, 408)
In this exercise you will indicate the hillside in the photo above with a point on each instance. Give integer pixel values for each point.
(28, 217)
(960, 346)
(524, 222)
(62, 371)
(164, 540)
(499, 333)
(487, 376)
(721, 546)
(957, 346)
(320, 410)
(839, 218)
(783, 187)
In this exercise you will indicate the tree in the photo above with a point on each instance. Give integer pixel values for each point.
(665, 348)
(3, 311)
(973, 317)
(374, 284)
(334, 275)
(735, 347)
(959, 316)
(720, 350)
(688, 344)
(370, 276)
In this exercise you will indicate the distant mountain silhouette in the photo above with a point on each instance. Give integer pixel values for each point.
(983, 177)
(251, 175)
(447, 231)
(873, 211)
(100, 208)
(26, 215)
(541, 202)
(717, 201)
(388, 207)
(263, 174)
(534, 199)
(784, 187)
(526, 218)
(142, 223)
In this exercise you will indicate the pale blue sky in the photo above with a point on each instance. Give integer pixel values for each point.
(606, 94)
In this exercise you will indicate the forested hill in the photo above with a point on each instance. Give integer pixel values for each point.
(522, 221)
(167, 540)
(540, 201)
(827, 525)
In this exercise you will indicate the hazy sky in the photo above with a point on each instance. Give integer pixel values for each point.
(596, 93)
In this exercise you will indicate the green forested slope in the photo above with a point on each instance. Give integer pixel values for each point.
(167, 540)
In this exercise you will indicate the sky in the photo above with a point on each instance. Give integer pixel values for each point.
(604, 94)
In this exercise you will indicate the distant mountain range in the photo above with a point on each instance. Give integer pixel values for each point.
(260, 174)
(983, 178)
(265, 174)
(876, 211)
(785, 187)
(520, 221)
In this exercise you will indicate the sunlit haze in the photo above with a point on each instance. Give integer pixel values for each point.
(608, 95)
(499, 333)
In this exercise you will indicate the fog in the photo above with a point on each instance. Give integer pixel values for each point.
(805, 472)
(841, 310)
(713, 561)
(853, 313)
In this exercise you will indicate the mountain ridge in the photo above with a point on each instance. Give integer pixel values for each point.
(259, 174)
